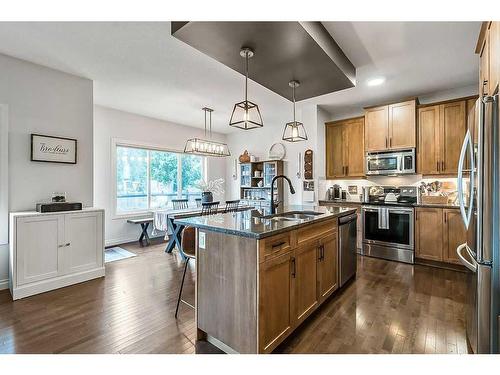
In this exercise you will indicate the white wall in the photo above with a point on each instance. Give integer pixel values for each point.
(114, 124)
(45, 101)
(258, 142)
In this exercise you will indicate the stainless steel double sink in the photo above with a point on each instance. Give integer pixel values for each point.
(292, 216)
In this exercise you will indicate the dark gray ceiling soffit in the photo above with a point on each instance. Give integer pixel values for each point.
(284, 51)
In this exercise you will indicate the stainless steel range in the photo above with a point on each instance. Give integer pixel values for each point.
(388, 223)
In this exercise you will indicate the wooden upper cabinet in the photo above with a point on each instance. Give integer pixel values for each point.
(429, 233)
(454, 234)
(335, 136)
(484, 65)
(402, 127)
(428, 150)
(344, 143)
(494, 56)
(453, 129)
(441, 131)
(355, 147)
(376, 128)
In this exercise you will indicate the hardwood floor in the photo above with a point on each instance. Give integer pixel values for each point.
(390, 308)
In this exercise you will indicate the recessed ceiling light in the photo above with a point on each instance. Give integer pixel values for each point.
(375, 81)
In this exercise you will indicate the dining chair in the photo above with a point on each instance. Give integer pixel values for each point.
(198, 202)
(232, 206)
(179, 204)
(188, 249)
(209, 208)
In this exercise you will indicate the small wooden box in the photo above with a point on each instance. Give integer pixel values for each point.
(434, 199)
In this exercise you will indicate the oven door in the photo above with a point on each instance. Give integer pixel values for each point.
(389, 226)
(383, 164)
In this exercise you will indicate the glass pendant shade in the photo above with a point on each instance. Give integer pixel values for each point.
(246, 114)
(206, 147)
(294, 130)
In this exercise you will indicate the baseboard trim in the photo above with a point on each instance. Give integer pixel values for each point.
(56, 283)
(4, 284)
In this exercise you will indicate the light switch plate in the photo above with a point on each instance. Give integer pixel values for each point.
(201, 240)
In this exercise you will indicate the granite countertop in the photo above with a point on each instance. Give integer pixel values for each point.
(253, 224)
(431, 205)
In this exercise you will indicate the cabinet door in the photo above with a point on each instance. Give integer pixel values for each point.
(335, 136)
(454, 234)
(39, 246)
(355, 148)
(328, 267)
(429, 233)
(83, 233)
(484, 66)
(275, 301)
(376, 128)
(402, 127)
(305, 280)
(453, 128)
(494, 63)
(428, 140)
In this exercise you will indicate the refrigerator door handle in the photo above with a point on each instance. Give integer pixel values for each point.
(463, 260)
(466, 146)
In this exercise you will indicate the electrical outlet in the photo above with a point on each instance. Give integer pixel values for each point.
(201, 240)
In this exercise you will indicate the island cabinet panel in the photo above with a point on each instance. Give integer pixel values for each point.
(275, 301)
(327, 267)
(429, 233)
(227, 310)
(402, 125)
(304, 279)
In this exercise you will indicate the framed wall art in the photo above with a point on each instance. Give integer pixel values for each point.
(50, 149)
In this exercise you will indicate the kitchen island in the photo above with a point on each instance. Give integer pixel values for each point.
(259, 277)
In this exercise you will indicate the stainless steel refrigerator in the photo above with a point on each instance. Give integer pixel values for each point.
(478, 193)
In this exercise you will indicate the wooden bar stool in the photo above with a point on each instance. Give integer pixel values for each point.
(179, 204)
(188, 250)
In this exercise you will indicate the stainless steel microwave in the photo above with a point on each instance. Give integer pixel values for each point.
(390, 162)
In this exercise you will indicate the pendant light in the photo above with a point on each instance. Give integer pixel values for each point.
(294, 131)
(206, 146)
(246, 115)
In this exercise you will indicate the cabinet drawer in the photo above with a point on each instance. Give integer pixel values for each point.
(271, 247)
(316, 230)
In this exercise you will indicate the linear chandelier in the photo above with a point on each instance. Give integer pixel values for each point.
(246, 114)
(294, 131)
(206, 147)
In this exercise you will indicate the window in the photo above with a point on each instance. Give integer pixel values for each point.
(150, 179)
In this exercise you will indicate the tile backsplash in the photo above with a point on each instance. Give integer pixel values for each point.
(408, 180)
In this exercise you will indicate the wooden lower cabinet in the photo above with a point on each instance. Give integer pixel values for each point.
(454, 235)
(275, 301)
(438, 232)
(327, 267)
(304, 278)
(293, 285)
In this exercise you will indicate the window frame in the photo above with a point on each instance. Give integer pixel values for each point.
(115, 143)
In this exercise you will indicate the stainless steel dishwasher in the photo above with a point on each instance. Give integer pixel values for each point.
(347, 247)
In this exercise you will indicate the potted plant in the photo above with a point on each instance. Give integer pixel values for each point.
(208, 189)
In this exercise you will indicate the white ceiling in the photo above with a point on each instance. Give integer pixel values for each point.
(139, 67)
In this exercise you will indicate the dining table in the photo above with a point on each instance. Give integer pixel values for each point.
(168, 217)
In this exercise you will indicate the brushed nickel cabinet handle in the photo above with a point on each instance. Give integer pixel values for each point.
(442, 166)
(385, 142)
(293, 267)
(437, 166)
(390, 141)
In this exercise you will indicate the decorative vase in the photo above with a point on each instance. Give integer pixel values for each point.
(207, 197)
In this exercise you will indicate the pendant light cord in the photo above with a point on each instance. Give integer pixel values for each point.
(246, 77)
(293, 95)
(204, 110)
(210, 128)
